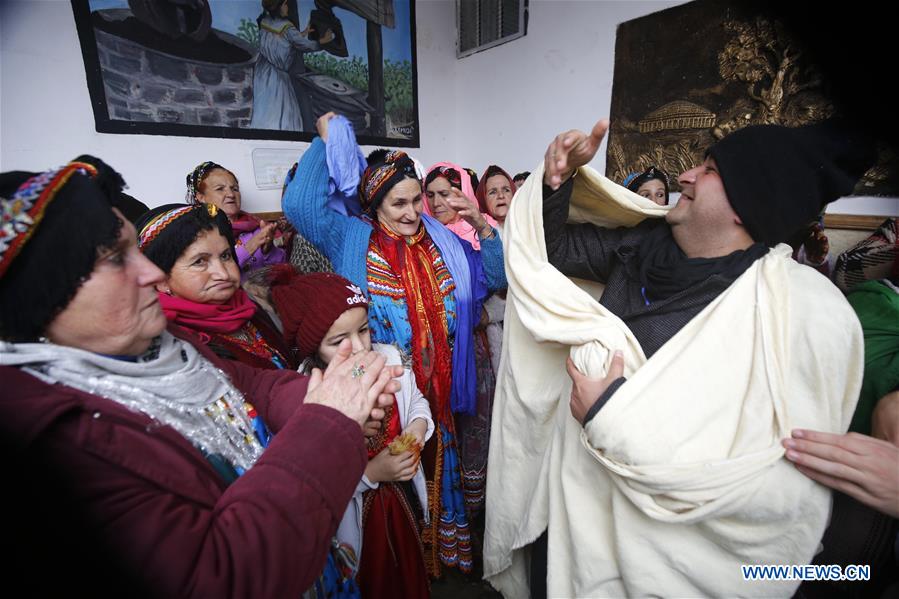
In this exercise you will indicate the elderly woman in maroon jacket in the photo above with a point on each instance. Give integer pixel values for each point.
(149, 428)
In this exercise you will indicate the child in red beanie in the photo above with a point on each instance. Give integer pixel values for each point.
(318, 311)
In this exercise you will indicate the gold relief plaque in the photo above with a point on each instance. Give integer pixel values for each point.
(687, 76)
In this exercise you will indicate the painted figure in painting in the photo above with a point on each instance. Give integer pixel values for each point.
(275, 104)
(262, 69)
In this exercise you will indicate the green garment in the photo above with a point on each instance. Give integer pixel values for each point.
(877, 306)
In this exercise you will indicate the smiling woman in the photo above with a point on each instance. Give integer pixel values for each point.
(425, 286)
(256, 243)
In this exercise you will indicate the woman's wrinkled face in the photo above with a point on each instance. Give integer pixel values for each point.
(401, 209)
(498, 195)
(653, 190)
(352, 325)
(438, 193)
(219, 187)
(206, 273)
(116, 311)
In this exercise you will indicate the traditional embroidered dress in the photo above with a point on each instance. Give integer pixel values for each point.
(474, 430)
(409, 271)
(392, 563)
(426, 291)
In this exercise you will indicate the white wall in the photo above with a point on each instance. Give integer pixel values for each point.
(557, 77)
(500, 106)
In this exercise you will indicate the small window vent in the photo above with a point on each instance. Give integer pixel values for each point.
(484, 24)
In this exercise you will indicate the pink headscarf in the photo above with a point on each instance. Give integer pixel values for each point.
(460, 227)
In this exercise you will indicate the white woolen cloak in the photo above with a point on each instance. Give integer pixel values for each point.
(680, 478)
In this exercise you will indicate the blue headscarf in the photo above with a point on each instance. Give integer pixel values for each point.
(471, 289)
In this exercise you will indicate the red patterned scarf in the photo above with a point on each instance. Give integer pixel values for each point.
(411, 261)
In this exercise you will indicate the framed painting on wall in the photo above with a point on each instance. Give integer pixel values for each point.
(687, 76)
(249, 69)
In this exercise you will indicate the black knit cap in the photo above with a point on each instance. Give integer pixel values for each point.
(778, 179)
(61, 254)
(171, 237)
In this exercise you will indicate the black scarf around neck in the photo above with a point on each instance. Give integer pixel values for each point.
(666, 271)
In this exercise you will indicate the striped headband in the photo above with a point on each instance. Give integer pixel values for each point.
(378, 179)
(158, 224)
(23, 212)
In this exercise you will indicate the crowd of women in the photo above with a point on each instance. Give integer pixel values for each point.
(250, 408)
(169, 366)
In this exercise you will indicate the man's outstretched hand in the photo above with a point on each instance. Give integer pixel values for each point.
(571, 150)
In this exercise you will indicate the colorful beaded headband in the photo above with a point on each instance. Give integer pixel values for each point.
(23, 212)
(157, 225)
(375, 179)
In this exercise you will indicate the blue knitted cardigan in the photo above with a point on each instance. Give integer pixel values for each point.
(344, 240)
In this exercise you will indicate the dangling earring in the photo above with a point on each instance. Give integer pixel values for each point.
(168, 292)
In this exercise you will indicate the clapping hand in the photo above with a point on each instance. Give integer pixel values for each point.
(358, 385)
(262, 238)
